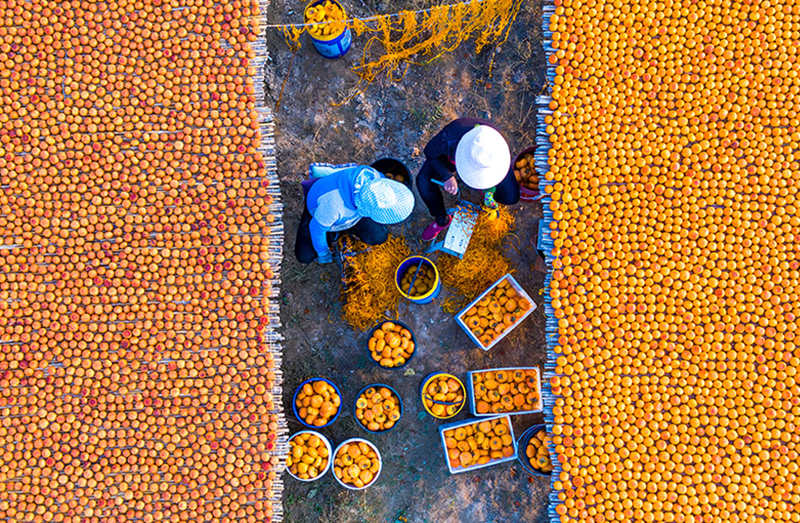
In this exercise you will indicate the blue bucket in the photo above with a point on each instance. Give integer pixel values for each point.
(522, 443)
(411, 263)
(376, 385)
(294, 403)
(334, 46)
(405, 326)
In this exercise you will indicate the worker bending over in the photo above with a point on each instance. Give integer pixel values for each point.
(358, 200)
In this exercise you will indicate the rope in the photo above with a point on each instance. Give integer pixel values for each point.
(372, 18)
(285, 78)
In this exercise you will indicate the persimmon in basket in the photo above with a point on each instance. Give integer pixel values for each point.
(422, 279)
(537, 454)
(308, 456)
(396, 177)
(525, 173)
(317, 403)
(356, 464)
(443, 396)
(506, 390)
(495, 313)
(378, 408)
(391, 345)
(478, 443)
(328, 18)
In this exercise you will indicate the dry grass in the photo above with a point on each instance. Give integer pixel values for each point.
(369, 291)
(483, 262)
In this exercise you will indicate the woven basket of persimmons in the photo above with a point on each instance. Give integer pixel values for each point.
(317, 403)
(391, 344)
(443, 395)
(356, 464)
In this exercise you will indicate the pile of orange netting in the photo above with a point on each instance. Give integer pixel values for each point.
(369, 291)
(483, 262)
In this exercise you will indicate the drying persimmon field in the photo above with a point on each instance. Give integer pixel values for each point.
(673, 184)
(138, 373)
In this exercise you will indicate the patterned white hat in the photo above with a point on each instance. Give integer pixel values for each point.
(385, 201)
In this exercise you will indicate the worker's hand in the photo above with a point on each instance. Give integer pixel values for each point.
(451, 185)
(322, 259)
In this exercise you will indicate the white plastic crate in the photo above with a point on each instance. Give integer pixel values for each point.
(517, 287)
(457, 424)
(471, 392)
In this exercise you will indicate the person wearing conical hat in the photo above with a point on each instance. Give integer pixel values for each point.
(472, 151)
(357, 200)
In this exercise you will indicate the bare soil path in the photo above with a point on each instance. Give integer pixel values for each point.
(396, 120)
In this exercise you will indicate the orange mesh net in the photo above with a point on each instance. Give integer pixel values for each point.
(369, 290)
(483, 262)
(418, 37)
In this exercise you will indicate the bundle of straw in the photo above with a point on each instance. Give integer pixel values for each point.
(369, 291)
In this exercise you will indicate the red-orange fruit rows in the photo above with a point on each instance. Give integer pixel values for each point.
(676, 279)
(135, 377)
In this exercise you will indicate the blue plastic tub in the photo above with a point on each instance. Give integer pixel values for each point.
(411, 263)
(376, 385)
(333, 47)
(294, 403)
(522, 445)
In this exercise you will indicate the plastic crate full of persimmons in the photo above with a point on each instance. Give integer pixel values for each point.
(496, 312)
(511, 390)
(478, 443)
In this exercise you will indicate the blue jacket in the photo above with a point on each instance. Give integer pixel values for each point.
(331, 203)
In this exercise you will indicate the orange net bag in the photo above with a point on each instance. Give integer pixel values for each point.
(369, 291)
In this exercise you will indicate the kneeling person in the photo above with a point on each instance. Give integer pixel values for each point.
(357, 200)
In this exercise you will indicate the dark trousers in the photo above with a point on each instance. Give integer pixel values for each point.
(366, 230)
(506, 192)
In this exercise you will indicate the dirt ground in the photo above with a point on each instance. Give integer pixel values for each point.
(396, 120)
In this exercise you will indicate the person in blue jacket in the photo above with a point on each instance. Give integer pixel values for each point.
(357, 200)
